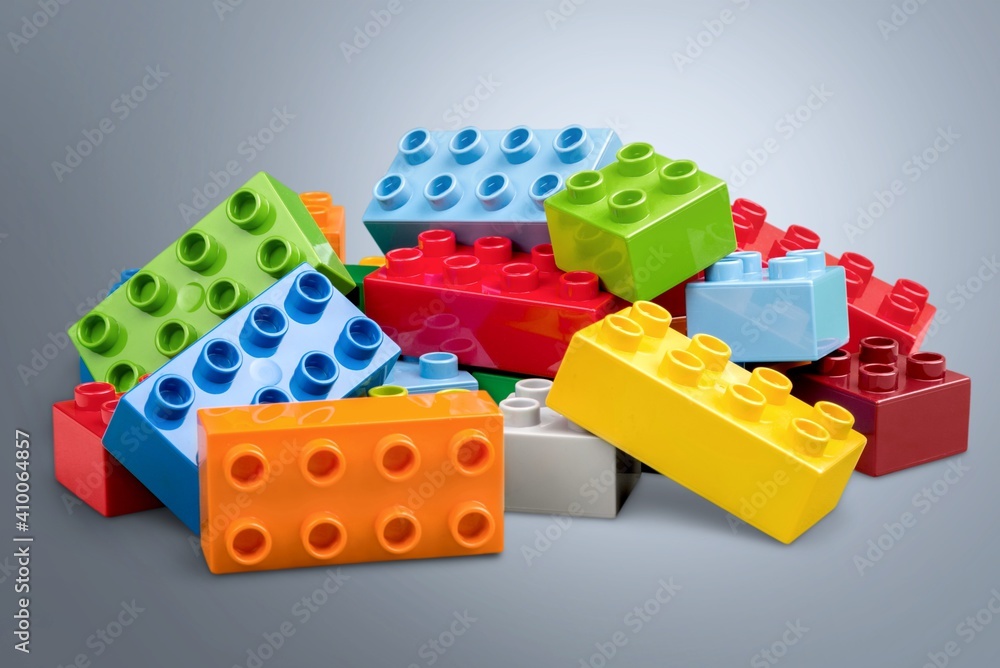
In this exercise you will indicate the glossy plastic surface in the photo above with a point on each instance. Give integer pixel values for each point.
(900, 311)
(329, 218)
(754, 233)
(240, 248)
(644, 223)
(300, 340)
(82, 465)
(358, 273)
(431, 372)
(85, 375)
(912, 409)
(480, 183)
(491, 307)
(795, 309)
(556, 467)
(499, 385)
(737, 438)
(355, 480)
(674, 299)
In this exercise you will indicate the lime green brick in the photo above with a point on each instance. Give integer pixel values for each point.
(644, 223)
(244, 245)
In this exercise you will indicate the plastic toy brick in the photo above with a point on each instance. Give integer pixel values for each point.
(388, 391)
(259, 234)
(300, 340)
(875, 308)
(431, 372)
(372, 261)
(498, 385)
(357, 480)
(643, 224)
(554, 466)
(754, 233)
(480, 183)
(673, 299)
(82, 464)
(737, 438)
(912, 409)
(85, 375)
(330, 219)
(358, 273)
(491, 307)
(795, 309)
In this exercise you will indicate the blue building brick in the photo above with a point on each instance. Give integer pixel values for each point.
(431, 372)
(480, 183)
(299, 340)
(794, 310)
(85, 375)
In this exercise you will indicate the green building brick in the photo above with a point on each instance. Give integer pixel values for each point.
(644, 223)
(498, 385)
(358, 273)
(260, 233)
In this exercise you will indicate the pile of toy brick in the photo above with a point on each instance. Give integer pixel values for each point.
(295, 411)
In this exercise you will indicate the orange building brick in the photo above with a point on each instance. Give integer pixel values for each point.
(352, 480)
(330, 218)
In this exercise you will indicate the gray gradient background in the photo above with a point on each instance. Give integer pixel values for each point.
(608, 62)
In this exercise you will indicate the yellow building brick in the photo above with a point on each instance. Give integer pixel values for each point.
(737, 438)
